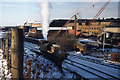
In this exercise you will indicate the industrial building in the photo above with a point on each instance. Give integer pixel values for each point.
(96, 28)
(33, 24)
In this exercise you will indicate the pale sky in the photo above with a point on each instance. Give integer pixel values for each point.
(19, 11)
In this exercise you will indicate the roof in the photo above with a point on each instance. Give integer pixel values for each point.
(31, 22)
(113, 26)
(54, 28)
(37, 22)
(61, 22)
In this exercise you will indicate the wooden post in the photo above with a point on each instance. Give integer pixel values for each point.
(3, 45)
(0, 43)
(17, 50)
(6, 48)
(75, 27)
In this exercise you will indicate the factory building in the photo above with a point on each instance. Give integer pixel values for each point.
(33, 24)
(33, 32)
(96, 28)
(113, 34)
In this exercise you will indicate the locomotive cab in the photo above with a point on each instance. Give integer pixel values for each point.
(48, 47)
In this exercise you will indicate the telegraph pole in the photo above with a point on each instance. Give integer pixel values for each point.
(104, 38)
(17, 50)
(75, 26)
(6, 47)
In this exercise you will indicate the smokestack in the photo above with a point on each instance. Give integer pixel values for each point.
(45, 13)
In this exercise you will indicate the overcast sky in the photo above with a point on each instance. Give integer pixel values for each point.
(18, 12)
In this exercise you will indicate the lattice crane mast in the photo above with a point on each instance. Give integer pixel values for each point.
(65, 26)
(96, 16)
(75, 27)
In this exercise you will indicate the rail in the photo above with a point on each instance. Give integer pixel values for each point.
(92, 70)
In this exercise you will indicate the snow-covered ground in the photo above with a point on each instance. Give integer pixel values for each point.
(36, 66)
(39, 67)
(94, 59)
(4, 72)
(89, 67)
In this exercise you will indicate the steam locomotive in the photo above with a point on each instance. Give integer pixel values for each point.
(49, 51)
(52, 52)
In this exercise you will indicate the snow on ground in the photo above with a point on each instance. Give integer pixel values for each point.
(79, 71)
(100, 60)
(35, 66)
(4, 72)
(92, 62)
(39, 67)
(102, 68)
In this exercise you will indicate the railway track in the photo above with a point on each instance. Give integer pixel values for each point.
(33, 50)
(27, 45)
(96, 61)
(80, 69)
(83, 65)
(93, 69)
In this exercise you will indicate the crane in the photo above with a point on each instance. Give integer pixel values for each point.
(96, 16)
(75, 27)
(64, 25)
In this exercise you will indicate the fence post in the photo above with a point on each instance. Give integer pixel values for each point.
(6, 48)
(17, 50)
(3, 45)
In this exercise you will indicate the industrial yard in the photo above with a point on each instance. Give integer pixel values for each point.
(62, 48)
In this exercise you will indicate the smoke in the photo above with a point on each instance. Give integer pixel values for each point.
(45, 13)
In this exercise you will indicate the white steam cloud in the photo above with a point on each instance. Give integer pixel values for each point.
(45, 13)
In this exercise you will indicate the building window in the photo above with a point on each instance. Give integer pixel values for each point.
(99, 23)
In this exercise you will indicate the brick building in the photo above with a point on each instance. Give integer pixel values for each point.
(96, 28)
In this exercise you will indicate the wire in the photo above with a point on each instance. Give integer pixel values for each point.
(91, 6)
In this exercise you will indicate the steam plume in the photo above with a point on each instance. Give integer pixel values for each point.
(45, 13)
